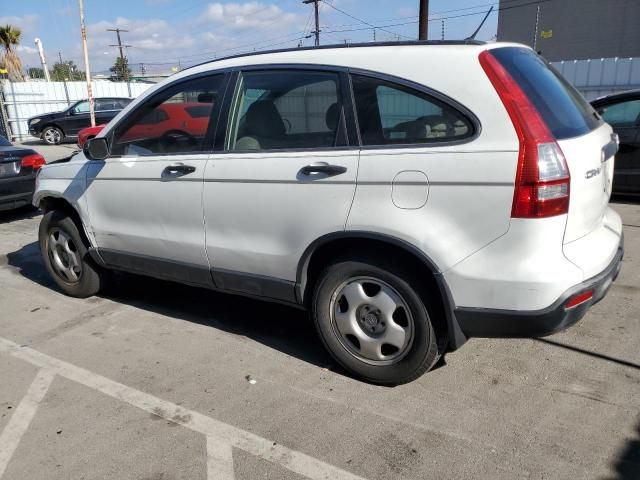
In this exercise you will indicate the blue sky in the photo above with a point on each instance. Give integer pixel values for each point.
(166, 33)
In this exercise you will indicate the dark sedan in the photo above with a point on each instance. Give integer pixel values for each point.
(622, 112)
(18, 170)
(56, 126)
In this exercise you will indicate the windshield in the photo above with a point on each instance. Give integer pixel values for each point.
(4, 142)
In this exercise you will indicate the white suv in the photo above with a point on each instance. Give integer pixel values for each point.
(409, 195)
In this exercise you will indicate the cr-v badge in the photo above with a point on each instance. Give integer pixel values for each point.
(592, 173)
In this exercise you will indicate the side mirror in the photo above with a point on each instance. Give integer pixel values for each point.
(96, 149)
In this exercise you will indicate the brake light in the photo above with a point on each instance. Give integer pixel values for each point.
(35, 161)
(542, 177)
(579, 299)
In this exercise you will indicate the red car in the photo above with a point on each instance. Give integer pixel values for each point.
(169, 118)
(88, 133)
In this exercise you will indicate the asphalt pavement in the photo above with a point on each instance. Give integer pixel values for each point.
(155, 380)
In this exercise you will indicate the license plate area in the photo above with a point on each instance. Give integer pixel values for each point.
(9, 169)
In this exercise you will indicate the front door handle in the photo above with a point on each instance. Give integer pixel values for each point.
(180, 168)
(323, 167)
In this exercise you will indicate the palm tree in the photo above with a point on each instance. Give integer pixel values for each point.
(10, 37)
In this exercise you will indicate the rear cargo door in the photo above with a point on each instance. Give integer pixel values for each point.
(585, 140)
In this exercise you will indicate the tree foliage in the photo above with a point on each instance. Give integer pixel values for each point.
(35, 72)
(120, 70)
(66, 70)
(10, 38)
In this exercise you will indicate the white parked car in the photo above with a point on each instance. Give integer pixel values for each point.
(409, 195)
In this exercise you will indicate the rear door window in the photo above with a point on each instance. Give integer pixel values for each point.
(287, 110)
(564, 110)
(390, 113)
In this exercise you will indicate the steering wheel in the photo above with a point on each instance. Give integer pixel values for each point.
(172, 137)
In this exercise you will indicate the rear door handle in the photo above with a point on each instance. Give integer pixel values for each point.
(323, 168)
(180, 168)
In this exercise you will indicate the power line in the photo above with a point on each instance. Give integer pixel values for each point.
(536, 2)
(360, 20)
(302, 35)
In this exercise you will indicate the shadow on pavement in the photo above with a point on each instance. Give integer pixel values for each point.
(283, 328)
(624, 363)
(627, 463)
(22, 213)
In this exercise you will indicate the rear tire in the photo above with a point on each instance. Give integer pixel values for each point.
(66, 256)
(52, 135)
(373, 322)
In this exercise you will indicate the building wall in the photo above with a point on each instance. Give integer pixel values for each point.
(573, 29)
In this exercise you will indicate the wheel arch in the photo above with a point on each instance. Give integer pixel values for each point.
(332, 245)
(55, 125)
(47, 203)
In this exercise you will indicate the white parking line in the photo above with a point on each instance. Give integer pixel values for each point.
(22, 416)
(215, 431)
(219, 460)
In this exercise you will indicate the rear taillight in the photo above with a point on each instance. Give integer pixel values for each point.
(578, 299)
(542, 177)
(35, 161)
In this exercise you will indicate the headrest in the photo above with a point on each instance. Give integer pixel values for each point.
(332, 117)
(263, 120)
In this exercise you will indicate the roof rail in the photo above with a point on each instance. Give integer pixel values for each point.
(346, 45)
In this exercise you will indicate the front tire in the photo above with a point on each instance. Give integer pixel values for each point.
(372, 320)
(52, 135)
(66, 256)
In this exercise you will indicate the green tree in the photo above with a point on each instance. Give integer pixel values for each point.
(35, 72)
(10, 38)
(66, 70)
(120, 70)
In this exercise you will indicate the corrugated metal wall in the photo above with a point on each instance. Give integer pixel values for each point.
(603, 76)
(23, 100)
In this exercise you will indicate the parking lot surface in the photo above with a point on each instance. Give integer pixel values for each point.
(155, 380)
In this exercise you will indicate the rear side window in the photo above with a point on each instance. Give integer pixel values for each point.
(123, 102)
(564, 110)
(390, 113)
(622, 114)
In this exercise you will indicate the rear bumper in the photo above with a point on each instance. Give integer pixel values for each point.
(485, 322)
(9, 202)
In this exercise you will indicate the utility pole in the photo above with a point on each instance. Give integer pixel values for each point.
(317, 30)
(83, 31)
(43, 60)
(423, 22)
(123, 62)
(64, 80)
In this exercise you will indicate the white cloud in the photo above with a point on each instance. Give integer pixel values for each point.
(26, 23)
(249, 15)
(215, 29)
(26, 49)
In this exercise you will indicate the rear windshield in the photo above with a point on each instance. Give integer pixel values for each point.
(562, 107)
